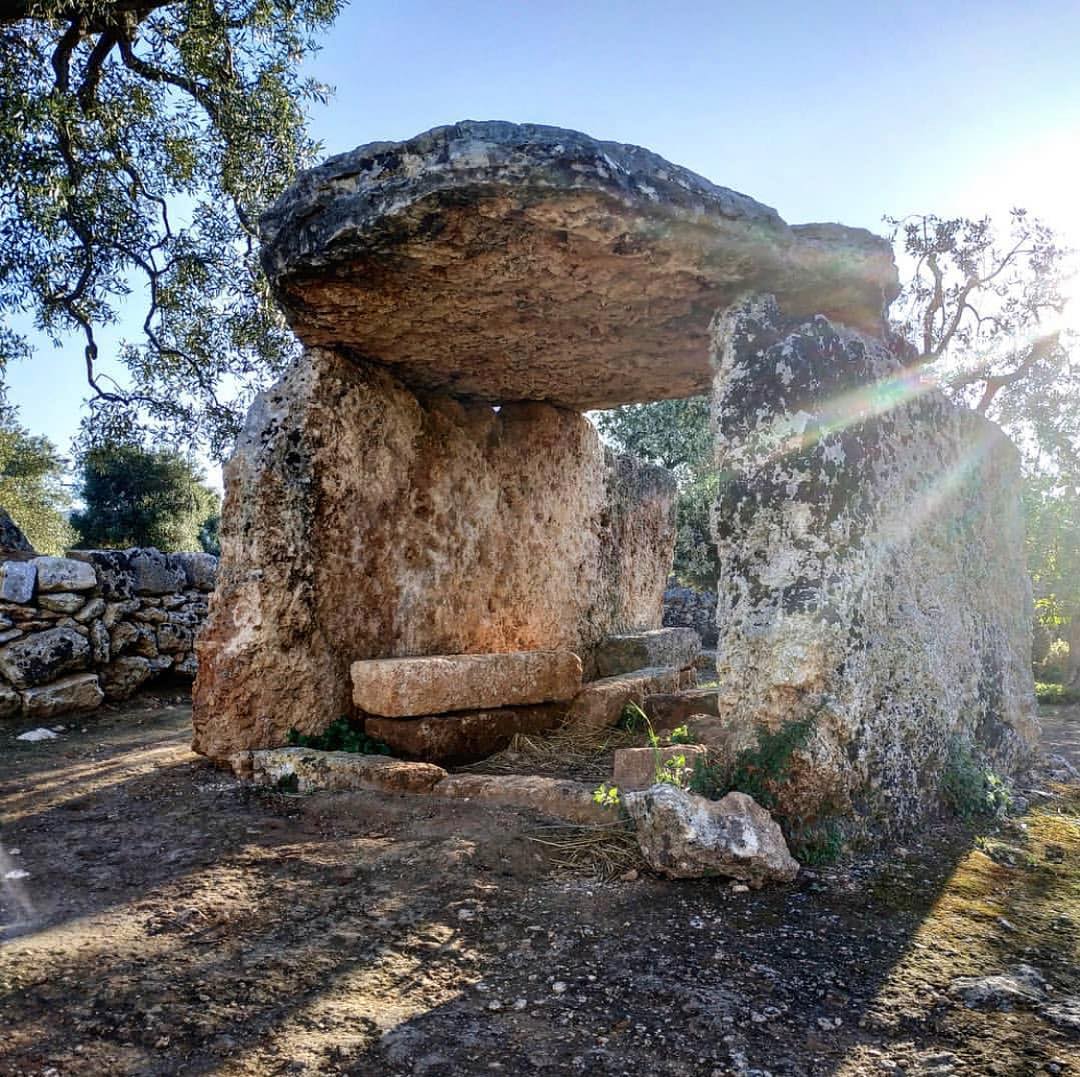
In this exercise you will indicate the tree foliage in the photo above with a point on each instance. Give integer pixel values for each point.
(139, 141)
(138, 497)
(32, 486)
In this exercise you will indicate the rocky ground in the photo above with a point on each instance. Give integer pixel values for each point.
(163, 919)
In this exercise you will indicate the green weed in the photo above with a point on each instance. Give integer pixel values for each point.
(342, 735)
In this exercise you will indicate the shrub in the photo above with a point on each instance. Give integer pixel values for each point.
(970, 787)
(1055, 693)
(342, 735)
(1056, 663)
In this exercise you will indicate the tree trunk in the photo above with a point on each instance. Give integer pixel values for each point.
(1072, 670)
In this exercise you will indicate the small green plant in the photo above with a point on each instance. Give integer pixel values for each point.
(819, 843)
(633, 719)
(681, 735)
(344, 734)
(970, 787)
(606, 795)
(671, 771)
(1055, 694)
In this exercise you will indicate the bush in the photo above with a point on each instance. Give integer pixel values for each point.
(970, 787)
(343, 735)
(1055, 693)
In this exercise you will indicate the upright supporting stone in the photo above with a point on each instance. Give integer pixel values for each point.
(872, 573)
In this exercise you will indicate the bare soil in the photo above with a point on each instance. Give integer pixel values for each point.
(174, 921)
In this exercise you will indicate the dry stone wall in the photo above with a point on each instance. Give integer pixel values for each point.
(96, 625)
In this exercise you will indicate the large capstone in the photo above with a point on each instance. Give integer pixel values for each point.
(872, 575)
(362, 521)
(504, 262)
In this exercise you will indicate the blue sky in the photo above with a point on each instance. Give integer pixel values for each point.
(826, 111)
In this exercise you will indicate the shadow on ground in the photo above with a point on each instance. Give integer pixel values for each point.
(173, 921)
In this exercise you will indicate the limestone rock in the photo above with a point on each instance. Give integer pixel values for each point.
(187, 666)
(124, 676)
(685, 836)
(1020, 986)
(636, 768)
(464, 737)
(17, 579)
(174, 638)
(200, 569)
(641, 650)
(558, 798)
(63, 602)
(600, 704)
(122, 636)
(860, 518)
(666, 710)
(10, 701)
(307, 771)
(43, 656)
(91, 611)
(362, 522)
(116, 579)
(99, 643)
(687, 607)
(520, 262)
(155, 573)
(407, 687)
(64, 696)
(63, 574)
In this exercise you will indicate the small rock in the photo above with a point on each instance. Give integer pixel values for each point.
(37, 734)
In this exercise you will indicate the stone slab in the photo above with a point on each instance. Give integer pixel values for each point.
(415, 687)
(600, 704)
(504, 261)
(43, 656)
(17, 579)
(669, 709)
(68, 695)
(558, 798)
(306, 770)
(464, 737)
(636, 768)
(63, 574)
(624, 653)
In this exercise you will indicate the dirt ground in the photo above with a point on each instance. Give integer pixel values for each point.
(162, 918)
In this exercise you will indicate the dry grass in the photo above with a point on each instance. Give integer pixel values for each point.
(566, 753)
(605, 850)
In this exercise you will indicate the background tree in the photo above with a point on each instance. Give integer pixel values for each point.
(139, 141)
(32, 486)
(138, 497)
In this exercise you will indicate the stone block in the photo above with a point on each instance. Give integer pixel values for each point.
(684, 836)
(64, 696)
(44, 656)
(10, 701)
(63, 574)
(172, 639)
(452, 529)
(636, 768)
(99, 643)
(17, 579)
(62, 602)
(155, 573)
(91, 611)
(676, 647)
(557, 798)
(124, 676)
(200, 569)
(116, 580)
(666, 710)
(464, 737)
(306, 770)
(407, 687)
(600, 704)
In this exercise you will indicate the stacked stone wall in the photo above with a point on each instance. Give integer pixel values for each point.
(97, 625)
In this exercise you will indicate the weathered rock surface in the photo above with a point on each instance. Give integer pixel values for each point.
(600, 704)
(62, 602)
(66, 695)
(860, 519)
(520, 262)
(555, 797)
(361, 522)
(44, 656)
(155, 573)
(305, 770)
(687, 607)
(414, 687)
(200, 569)
(63, 574)
(17, 579)
(685, 836)
(636, 768)
(465, 737)
(1018, 987)
(14, 545)
(626, 652)
(125, 675)
(669, 709)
